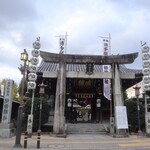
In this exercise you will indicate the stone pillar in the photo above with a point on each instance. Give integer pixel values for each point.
(59, 119)
(7, 129)
(118, 97)
(51, 109)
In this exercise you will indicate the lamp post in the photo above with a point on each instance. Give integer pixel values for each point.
(24, 58)
(137, 93)
(41, 92)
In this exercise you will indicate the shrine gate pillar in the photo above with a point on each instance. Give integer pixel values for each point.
(59, 119)
(118, 99)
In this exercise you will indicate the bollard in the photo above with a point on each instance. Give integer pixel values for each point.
(25, 139)
(38, 138)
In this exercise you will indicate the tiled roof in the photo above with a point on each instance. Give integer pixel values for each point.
(53, 67)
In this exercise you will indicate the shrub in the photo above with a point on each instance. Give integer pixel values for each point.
(36, 111)
(133, 117)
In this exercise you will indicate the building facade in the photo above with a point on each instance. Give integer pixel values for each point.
(75, 86)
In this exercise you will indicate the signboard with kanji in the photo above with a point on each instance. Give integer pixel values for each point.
(147, 120)
(121, 117)
(29, 125)
(7, 105)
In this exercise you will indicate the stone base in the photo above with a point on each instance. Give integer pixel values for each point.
(58, 135)
(7, 130)
(120, 135)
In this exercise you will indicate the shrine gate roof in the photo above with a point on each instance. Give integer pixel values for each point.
(77, 63)
(53, 67)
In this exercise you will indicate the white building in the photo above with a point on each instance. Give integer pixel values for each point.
(131, 91)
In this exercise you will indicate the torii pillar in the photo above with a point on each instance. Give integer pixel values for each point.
(59, 119)
(118, 97)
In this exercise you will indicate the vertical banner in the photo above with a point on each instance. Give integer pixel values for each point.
(106, 68)
(7, 105)
(62, 45)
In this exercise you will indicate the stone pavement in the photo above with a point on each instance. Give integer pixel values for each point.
(81, 142)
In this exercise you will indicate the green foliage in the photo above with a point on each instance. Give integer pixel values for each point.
(133, 117)
(125, 95)
(15, 92)
(36, 112)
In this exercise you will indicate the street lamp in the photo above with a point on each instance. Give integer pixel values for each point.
(137, 93)
(24, 58)
(41, 92)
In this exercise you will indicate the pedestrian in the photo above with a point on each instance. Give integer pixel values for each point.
(74, 115)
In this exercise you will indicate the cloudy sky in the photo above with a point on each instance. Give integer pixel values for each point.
(128, 22)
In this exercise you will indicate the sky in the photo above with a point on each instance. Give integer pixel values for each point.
(84, 21)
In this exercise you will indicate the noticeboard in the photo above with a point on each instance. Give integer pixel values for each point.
(147, 120)
(121, 117)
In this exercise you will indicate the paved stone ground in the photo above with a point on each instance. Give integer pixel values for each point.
(81, 142)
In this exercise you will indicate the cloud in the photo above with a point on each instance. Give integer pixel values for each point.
(84, 21)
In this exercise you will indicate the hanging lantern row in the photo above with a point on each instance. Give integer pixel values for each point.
(146, 67)
(32, 76)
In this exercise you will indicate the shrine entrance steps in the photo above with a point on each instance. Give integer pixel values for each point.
(86, 128)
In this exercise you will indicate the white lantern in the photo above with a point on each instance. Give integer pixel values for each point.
(145, 49)
(146, 63)
(34, 60)
(98, 103)
(146, 87)
(69, 102)
(146, 71)
(36, 45)
(33, 68)
(146, 79)
(32, 76)
(35, 53)
(145, 56)
(31, 85)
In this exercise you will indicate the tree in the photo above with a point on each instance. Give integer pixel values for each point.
(36, 111)
(132, 115)
(125, 95)
(20, 87)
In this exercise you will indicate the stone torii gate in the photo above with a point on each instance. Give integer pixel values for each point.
(63, 59)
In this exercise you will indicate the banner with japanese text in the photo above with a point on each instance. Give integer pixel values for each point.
(7, 105)
(106, 68)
